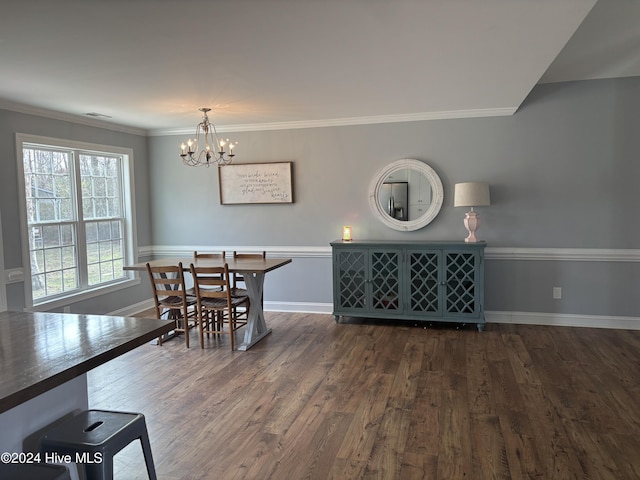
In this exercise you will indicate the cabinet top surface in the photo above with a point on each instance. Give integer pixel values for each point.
(410, 243)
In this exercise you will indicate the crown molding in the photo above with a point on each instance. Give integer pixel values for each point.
(251, 127)
(341, 122)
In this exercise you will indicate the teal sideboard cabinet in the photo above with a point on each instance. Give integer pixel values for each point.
(418, 281)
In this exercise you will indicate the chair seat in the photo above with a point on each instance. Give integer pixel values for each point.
(239, 292)
(221, 303)
(96, 429)
(192, 291)
(170, 302)
(99, 431)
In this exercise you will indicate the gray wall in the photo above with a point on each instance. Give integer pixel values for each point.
(563, 173)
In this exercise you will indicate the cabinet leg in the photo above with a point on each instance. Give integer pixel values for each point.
(336, 318)
(480, 327)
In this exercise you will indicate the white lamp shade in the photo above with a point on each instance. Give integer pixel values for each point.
(471, 194)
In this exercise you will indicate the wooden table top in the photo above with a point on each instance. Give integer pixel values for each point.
(40, 351)
(245, 265)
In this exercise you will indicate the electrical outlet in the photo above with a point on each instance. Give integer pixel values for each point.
(557, 293)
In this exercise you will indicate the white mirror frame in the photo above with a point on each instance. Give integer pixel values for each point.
(437, 195)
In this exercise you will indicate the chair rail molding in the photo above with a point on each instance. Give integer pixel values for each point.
(272, 251)
(564, 254)
(491, 253)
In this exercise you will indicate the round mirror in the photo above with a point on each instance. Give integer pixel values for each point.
(406, 195)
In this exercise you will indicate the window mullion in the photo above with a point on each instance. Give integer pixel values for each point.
(83, 276)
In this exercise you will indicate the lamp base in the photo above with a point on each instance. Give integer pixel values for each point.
(471, 224)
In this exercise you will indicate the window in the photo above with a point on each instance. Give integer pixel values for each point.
(77, 212)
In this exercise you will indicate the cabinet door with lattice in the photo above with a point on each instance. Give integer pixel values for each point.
(425, 282)
(350, 276)
(386, 272)
(461, 283)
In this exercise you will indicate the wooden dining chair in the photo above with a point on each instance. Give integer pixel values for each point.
(170, 297)
(197, 255)
(216, 308)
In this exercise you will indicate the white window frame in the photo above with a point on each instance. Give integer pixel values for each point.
(3, 282)
(130, 236)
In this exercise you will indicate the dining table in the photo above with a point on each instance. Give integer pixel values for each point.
(253, 270)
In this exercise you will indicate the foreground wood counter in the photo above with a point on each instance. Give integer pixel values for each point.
(42, 353)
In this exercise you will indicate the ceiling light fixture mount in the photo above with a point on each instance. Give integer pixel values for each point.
(213, 152)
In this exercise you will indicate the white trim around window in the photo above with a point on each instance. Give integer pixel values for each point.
(3, 283)
(129, 237)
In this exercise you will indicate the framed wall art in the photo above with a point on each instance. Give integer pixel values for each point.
(256, 183)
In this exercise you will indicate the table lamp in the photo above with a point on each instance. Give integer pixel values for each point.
(471, 194)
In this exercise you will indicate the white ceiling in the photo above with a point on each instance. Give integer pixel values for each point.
(150, 64)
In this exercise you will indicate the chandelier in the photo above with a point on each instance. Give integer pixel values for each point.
(212, 152)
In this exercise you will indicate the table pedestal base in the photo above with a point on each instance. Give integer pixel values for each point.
(256, 328)
(244, 346)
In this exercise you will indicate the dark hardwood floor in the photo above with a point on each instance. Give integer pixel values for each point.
(317, 400)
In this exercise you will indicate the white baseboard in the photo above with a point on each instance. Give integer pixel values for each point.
(299, 307)
(524, 318)
(563, 320)
(133, 309)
